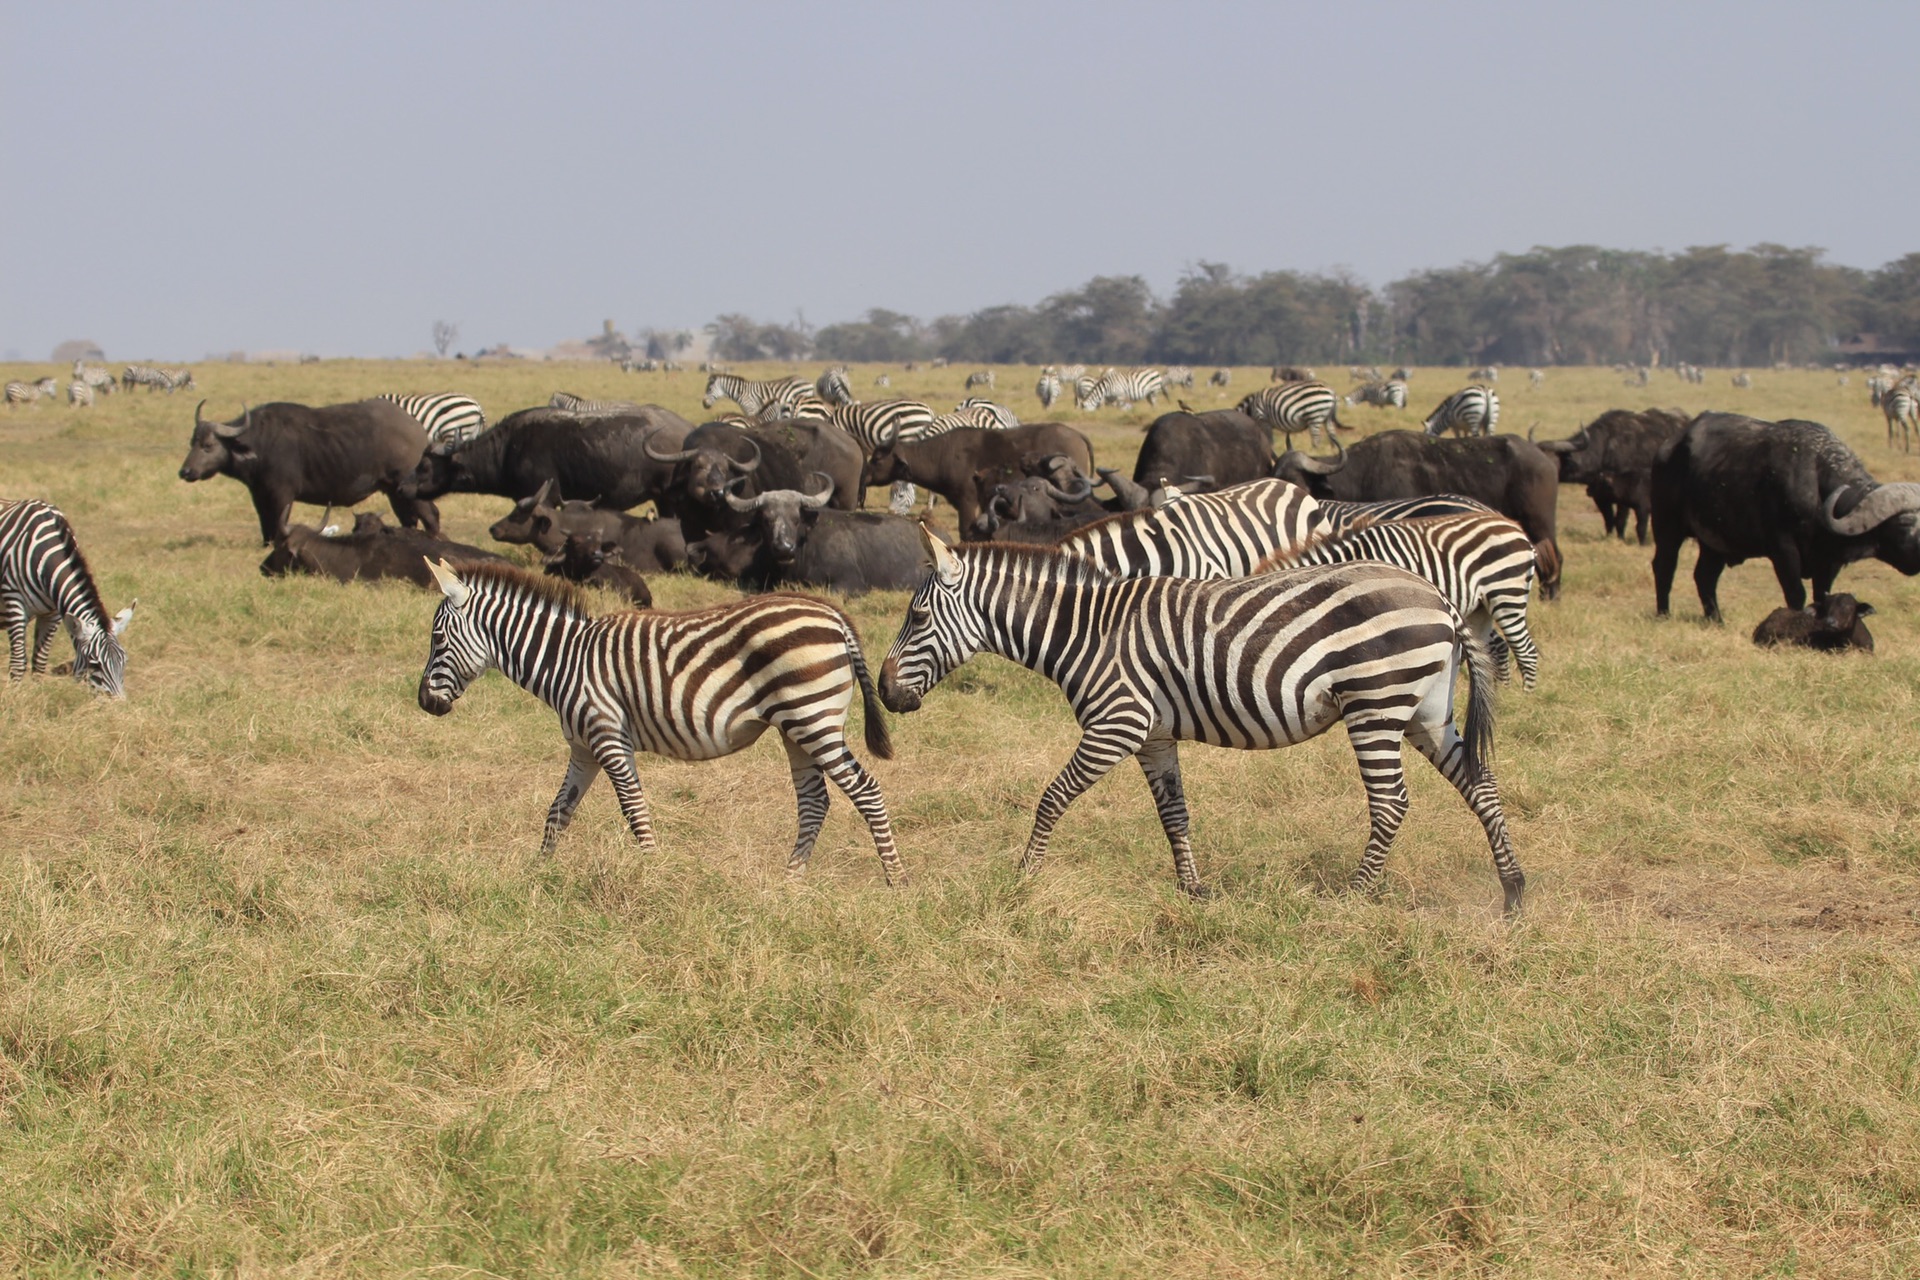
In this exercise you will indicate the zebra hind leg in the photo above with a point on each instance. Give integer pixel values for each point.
(582, 769)
(43, 630)
(16, 614)
(1376, 745)
(831, 757)
(615, 755)
(1443, 745)
(1091, 760)
(1160, 761)
(810, 791)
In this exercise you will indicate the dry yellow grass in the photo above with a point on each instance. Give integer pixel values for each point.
(284, 988)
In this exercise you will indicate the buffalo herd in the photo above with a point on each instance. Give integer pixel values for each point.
(776, 502)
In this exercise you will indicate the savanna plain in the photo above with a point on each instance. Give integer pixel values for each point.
(286, 989)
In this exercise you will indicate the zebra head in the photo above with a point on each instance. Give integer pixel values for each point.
(460, 652)
(942, 630)
(99, 659)
(714, 382)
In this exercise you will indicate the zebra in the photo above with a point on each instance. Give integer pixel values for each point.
(79, 394)
(43, 577)
(1536, 377)
(1472, 410)
(97, 376)
(988, 414)
(1047, 390)
(875, 424)
(1901, 404)
(752, 397)
(569, 403)
(689, 686)
(834, 387)
(1295, 406)
(1338, 519)
(30, 392)
(1179, 375)
(450, 420)
(1253, 663)
(1292, 373)
(1485, 373)
(979, 378)
(1220, 378)
(1481, 561)
(179, 379)
(884, 380)
(1743, 379)
(1072, 373)
(1223, 534)
(1134, 384)
(1087, 393)
(142, 375)
(1387, 395)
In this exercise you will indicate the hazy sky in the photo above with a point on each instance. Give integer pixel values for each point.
(186, 179)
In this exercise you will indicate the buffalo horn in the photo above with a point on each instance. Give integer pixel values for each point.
(1080, 494)
(743, 504)
(680, 456)
(224, 430)
(814, 501)
(744, 467)
(1880, 505)
(1320, 466)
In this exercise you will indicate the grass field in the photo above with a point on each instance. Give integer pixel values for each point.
(285, 988)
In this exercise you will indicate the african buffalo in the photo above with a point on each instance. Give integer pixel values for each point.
(1613, 457)
(951, 464)
(1035, 505)
(335, 455)
(1787, 491)
(1505, 472)
(587, 560)
(373, 550)
(795, 539)
(1835, 627)
(602, 458)
(1223, 443)
(647, 544)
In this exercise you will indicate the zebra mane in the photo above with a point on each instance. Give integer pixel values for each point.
(89, 591)
(557, 592)
(1035, 561)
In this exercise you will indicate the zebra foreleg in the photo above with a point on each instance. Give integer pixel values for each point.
(582, 769)
(836, 762)
(615, 755)
(1444, 746)
(810, 790)
(1377, 748)
(16, 614)
(1096, 754)
(43, 629)
(1160, 761)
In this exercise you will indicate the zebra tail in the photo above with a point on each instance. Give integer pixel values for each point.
(1333, 420)
(1479, 733)
(879, 741)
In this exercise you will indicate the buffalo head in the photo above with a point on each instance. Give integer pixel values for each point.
(782, 515)
(1890, 513)
(215, 446)
(709, 471)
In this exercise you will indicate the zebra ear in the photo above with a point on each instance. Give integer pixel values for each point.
(122, 618)
(945, 564)
(457, 592)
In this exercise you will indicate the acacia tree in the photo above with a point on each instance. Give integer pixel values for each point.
(444, 332)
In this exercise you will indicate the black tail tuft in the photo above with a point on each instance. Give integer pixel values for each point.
(1480, 677)
(879, 741)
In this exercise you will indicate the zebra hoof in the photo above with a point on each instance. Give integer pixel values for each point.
(1516, 891)
(1200, 892)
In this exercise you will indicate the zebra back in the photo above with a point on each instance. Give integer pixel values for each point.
(1224, 534)
(1342, 518)
(449, 420)
(1472, 410)
(1293, 406)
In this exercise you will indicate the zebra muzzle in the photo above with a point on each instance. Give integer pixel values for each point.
(892, 696)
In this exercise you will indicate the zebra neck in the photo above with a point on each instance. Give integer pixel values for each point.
(1051, 627)
(534, 653)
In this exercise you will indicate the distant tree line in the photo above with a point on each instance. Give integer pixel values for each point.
(1574, 305)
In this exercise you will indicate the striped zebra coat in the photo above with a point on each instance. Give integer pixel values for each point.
(79, 393)
(752, 397)
(450, 420)
(1901, 405)
(1047, 390)
(142, 375)
(1295, 406)
(833, 386)
(1123, 389)
(567, 402)
(1341, 518)
(45, 579)
(1474, 410)
(1223, 534)
(1252, 663)
(1482, 562)
(30, 392)
(688, 686)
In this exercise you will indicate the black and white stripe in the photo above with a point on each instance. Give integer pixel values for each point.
(449, 420)
(97, 376)
(1221, 378)
(144, 375)
(29, 392)
(1901, 404)
(752, 397)
(1121, 388)
(875, 424)
(1223, 534)
(688, 686)
(1048, 388)
(1295, 406)
(1341, 518)
(44, 578)
(986, 413)
(1482, 562)
(79, 394)
(834, 386)
(1471, 411)
(1179, 375)
(570, 403)
(979, 378)
(1253, 663)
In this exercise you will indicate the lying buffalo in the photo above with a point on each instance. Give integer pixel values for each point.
(1613, 457)
(335, 455)
(1835, 627)
(602, 458)
(374, 549)
(587, 560)
(648, 544)
(721, 459)
(1788, 491)
(1505, 472)
(1223, 443)
(793, 537)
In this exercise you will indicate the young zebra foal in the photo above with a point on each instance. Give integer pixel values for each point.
(689, 686)
(1253, 663)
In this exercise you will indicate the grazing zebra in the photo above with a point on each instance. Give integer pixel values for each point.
(1072, 373)
(834, 387)
(142, 375)
(1086, 393)
(43, 577)
(79, 393)
(1485, 373)
(1048, 388)
(1254, 663)
(97, 376)
(1123, 389)
(979, 378)
(1291, 373)
(29, 392)
(1742, 379)
(1179, 375)
(1472, 410)
(752, 397)
(570, 403)
(1386, 395)
(1482, 562)
(1220, 378)
(1295, 406)
(1536, 377)
(630, 365)
(688, 686)
(450, 420)
(179, 379)
(1223, 534)
(1901, 404)
(988, 414)
(884, 380)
